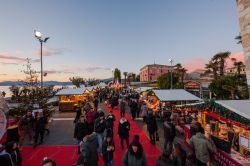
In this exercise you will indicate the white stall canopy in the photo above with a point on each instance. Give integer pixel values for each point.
(240, 107)
(175, 95)
(70, 91)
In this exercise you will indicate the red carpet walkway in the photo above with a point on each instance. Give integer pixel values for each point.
(67, 155)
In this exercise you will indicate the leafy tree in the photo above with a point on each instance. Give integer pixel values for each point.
(164, 81)
(238, 64)
(31, 93)
(180, 71)
(117, 75)
(77, 81)
(220, 59)
(125, 75)
(138, 77)
(212, 67)
(229, 87)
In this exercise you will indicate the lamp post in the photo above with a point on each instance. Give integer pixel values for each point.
(113, 76)
(38, 35)
(171, 62)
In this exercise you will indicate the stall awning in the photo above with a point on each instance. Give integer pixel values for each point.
(143, 89)
(102, 85)
(90, 88)
(70, 91)
(175, 95)
(240, 107)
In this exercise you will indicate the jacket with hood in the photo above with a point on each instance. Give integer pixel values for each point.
(123, 128)
(202, 147)
(90, 146)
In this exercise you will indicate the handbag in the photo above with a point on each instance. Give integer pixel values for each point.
(157, 136)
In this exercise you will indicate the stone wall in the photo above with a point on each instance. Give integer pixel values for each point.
(244, 19)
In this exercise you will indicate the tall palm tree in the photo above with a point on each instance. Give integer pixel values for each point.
(183, 71)
(125, 75)
(212, 67)
(220, 58)
(238, 64)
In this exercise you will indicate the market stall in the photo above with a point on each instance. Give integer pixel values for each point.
(227, 122)
(70, 98)
(161, 99)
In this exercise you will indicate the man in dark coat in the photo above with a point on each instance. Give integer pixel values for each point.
(90, 146)
(152, 127)
(81, 130)
(133, 109)
(96, 102)
(40, 122)
(100, 126)
(110, 118)
(122, 108)
(123, 131)
(26, 125)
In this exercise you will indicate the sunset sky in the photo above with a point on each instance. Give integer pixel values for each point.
(90, 37)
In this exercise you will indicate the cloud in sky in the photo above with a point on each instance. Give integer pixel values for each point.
(7, 56)
(199, 63)
(50, 51)
(8, 63)
(194, 64)
(93, 69)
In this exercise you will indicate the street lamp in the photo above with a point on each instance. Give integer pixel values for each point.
(38, 35)
(113, 76)
(171, 62)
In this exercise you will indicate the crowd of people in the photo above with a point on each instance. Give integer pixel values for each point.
(94, 132)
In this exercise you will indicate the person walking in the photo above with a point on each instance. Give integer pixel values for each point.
(123, 131)
(91, 120)
(133, 109)
(110, 119)
(39, 128)
(100, 126)
(90, 146)
(26, 125)
(108, 148)
(203, 147)
(122, 107)
(144, 111)
(152, 127)
(78, 114)
(81, 130)
(99, 113)
(96, 102)
(134, 155)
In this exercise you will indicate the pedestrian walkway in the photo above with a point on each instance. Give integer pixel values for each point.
(66, 155)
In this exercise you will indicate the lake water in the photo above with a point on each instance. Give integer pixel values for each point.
(6, 89)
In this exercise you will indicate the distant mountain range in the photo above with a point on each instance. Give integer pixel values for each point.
(10, 83)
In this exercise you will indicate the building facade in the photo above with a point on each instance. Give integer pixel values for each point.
(150, 73)
(244, 19)
(234, 70)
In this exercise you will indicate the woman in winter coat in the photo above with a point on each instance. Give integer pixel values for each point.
(108, 148)
(123, 131)
(90, 146)
(134, 155)
(81, 130)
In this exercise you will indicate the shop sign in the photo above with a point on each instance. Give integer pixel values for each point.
(222, 159)
(192, 85)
